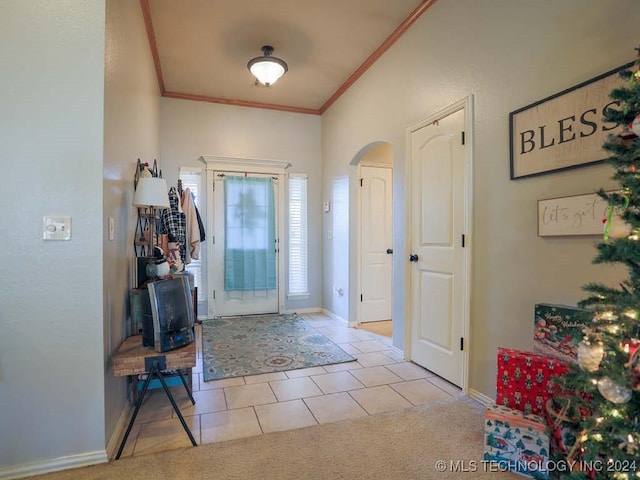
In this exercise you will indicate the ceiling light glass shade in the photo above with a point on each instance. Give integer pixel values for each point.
(151, 192)
(267, 69)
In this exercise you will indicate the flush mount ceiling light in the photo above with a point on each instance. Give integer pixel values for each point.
(267, 69)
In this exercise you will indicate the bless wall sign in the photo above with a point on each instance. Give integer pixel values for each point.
(565, 130)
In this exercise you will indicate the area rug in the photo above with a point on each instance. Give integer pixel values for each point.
(251, 345)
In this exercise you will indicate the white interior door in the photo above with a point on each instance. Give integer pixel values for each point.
(237, 302)
(438, 268)
(376, 238)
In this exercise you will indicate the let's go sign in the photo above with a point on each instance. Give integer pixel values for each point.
(565, 130)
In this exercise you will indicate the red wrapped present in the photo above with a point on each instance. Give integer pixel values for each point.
(523, 379)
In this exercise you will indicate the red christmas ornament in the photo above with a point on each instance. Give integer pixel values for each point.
(632, 346)
(633, 169)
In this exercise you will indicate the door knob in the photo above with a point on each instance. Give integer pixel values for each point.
(389, 251)
(413, 257)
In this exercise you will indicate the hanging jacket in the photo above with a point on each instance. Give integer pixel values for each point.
(200, 226)
(174, 223)
(191, 223)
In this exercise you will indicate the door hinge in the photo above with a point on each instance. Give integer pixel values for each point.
(361, 297)
(214, 294)
(361, 181)
(462, 137)
(461, 343)
(213, 238)
(463, 240)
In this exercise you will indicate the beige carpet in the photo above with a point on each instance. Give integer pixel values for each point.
(405, 445)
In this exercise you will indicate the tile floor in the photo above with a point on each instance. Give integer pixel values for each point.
(379, 381)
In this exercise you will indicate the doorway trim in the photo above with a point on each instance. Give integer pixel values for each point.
(465, 104)
(276, 168)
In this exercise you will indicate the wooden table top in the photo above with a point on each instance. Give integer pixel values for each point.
(129, 359)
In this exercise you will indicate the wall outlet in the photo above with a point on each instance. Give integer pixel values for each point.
(56, 228)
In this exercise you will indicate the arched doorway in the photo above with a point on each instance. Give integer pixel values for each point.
(371, 237)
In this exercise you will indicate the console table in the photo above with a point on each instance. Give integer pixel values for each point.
(133, 359)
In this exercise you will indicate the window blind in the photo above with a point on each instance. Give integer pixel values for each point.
(298, 275)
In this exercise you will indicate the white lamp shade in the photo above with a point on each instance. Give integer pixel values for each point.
(151, 192)
(267, 71)
(267, 68)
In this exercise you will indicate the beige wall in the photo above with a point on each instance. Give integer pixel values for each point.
(79, 107)
(508, 54)
(52, 393)
(63, 308)
(131, 131)
(192, 129)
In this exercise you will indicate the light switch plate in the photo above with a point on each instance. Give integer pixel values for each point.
(326, 206)
(56, 228)
(112, 228)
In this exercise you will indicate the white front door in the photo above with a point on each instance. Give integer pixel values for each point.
(228, 302)
(440, 165)
(376, 238)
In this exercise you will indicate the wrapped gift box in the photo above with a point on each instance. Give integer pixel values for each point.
(516, 441)
(523, 379)
(558, 330)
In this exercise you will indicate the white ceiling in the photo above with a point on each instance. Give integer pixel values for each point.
(203, 46)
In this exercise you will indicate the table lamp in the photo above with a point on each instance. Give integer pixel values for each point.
(151, 193)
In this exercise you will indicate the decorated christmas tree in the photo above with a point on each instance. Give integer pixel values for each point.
(597, 407)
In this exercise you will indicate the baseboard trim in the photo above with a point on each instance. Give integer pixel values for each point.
(118, 431)
(53, 465)
(480, 397)
(303, 310)
(329, 313)
(397, 351)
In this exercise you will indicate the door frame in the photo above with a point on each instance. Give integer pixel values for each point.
(465, 104)
(275, 168)
(360, 249)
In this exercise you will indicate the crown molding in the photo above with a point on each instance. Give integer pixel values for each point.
(384, 46)
(240, 103)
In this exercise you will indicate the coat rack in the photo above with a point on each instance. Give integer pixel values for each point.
(145, 215)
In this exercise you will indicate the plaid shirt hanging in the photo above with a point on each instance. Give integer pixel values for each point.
(174, 223)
